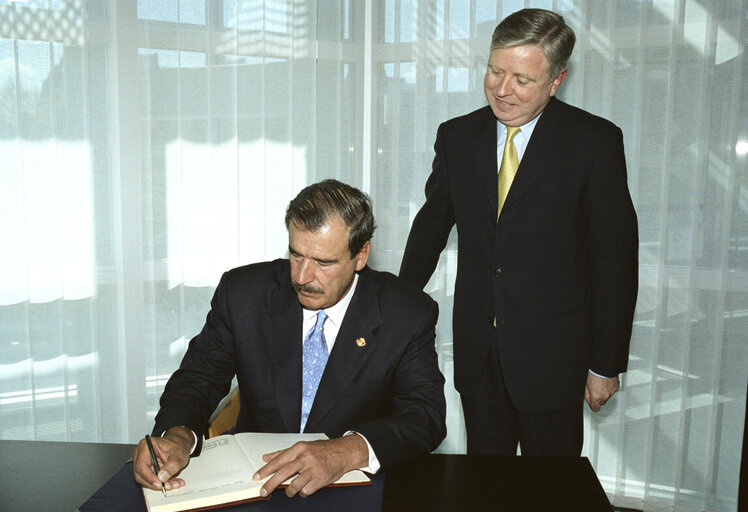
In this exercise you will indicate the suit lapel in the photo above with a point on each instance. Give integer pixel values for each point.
(536, 161)
(353, 347)
(284, 348)
(485, 157)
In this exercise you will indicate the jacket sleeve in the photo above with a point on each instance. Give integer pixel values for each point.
(204, 375)
(614, 246)
(433, 223)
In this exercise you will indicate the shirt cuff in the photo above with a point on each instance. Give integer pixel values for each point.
(194, 437)
(374, 465)
(601, 376)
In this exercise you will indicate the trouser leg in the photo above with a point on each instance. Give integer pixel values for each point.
(494, 426)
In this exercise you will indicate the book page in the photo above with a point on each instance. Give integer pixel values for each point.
(221, 470)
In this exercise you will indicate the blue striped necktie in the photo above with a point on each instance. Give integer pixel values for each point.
(314, 361)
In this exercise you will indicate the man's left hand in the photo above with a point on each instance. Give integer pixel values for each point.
(316, 464)
(599, 390)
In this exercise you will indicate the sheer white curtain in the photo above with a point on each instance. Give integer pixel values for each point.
(148, 146)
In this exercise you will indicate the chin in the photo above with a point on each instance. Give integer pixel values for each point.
(308, 303)
(501, 115)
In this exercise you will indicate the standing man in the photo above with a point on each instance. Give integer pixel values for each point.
(318, 343)
(547, 248)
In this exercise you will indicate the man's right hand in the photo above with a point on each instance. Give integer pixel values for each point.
(173, 454)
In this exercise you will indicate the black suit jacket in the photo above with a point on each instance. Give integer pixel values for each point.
(390, 389)
(557, 273)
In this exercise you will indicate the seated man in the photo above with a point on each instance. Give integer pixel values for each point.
(380, 397)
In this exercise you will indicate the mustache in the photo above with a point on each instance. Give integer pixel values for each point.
(307, 288)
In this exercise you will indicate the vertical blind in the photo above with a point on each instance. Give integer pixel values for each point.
(149, 146)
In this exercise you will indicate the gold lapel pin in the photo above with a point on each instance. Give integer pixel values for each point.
(361, 342)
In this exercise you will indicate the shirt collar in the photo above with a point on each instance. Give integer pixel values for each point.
(526, 129)
(336, 312)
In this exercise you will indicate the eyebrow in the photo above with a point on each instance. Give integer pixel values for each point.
(294, 252)
(495, 68)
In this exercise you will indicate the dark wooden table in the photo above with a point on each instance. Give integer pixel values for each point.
(474, 482)
(38, 475)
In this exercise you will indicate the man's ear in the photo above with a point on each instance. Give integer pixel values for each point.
(363, 256)
(557, 81)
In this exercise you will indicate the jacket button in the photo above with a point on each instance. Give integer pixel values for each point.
(499, 272)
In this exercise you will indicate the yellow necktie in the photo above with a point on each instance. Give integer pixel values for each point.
(509, 166)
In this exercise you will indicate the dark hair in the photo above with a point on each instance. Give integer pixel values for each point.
(541, 28)
(316, 204)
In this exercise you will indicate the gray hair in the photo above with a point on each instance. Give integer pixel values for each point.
(544, 29)
(316, 204)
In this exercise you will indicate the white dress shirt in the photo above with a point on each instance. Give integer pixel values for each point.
(335, 315)
(520, 140)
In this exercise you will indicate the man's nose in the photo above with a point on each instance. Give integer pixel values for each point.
(304, 274)
(503, 87)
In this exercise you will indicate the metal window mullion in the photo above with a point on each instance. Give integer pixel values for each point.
(729, 209)
(27, 304)
(53, 84)
(128, 199)
(661, 308)
(369, 125)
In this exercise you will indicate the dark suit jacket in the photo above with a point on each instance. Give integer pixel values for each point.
(558, 272)
(390, 390)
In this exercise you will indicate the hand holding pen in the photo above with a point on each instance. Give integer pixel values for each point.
(154, 460)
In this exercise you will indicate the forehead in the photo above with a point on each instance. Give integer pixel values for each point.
(330, 239)
(526, 56)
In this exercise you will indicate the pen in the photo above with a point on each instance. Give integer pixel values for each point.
(153, 459)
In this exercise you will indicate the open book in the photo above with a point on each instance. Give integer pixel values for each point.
(222, 474)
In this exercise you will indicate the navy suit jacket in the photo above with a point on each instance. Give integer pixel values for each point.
(388, 388)
(554, 282)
